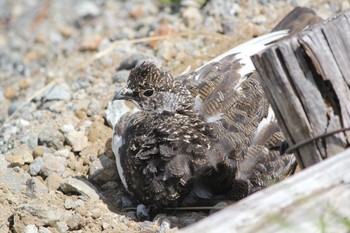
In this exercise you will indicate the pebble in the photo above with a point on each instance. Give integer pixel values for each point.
(53, 181)
(58, 92)
(62, 227)
(126, 202)
(103, 170)
(192, 17)
(14, 105)
(77, 140)
(69, 204)
(44, 230)
(51, 137)
(35, 166)
(121, 76)
(82, 187)
(35, 187)
(30, 139)
(142, 212)
(79, 203)
(41, 212)
(39, 151)
(75, 222)
(87, 9)
(165, 50)
(105, 226)
(109, 185)
(12, 180)
(91, 44)
(165, 226)
(94, 108)
(31, 228)
(66, 128)
(96, 213)
(19, 156)
(63, 153)
(52, 163)
(10, 93)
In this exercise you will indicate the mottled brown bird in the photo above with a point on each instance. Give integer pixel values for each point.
(203, 137)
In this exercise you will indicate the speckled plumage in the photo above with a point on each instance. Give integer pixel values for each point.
(200, 138)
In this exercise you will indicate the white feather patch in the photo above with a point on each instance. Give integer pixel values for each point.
(247, 49)
(116, 144)
(265, 122)
(186, 70)
(214, 118)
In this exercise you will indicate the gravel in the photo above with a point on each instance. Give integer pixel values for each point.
(58, 74)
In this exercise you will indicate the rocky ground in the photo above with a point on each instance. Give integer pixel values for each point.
(60, 63)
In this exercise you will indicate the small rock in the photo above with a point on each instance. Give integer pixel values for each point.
(41, 213)
(69, 204)
(19, 155)
(96, 213)
(165, 50)
(58, 92)
(62, 153)
(259, 19)
(165, 226)
(35, 166)
(14, 105)
(75, 222)
(105, 226)
(66, 128)
(79, 203)
(87, 9)
(142, 212)
(192, 17)
(99, 131)
(103, 170)
(35, 187)
(120, 76)
(40, 150)
(126, 202)
(77, 140)
(44, 230)
(72, 185)
(62, 227)
(109, 185)
(10, 93)
(54, 181)
(23, 83)
(30, 139)
(30, 229)
(91, 44)
(52, 164)
(94, 108)
(12, 180)
(162, 30)
(51, 137)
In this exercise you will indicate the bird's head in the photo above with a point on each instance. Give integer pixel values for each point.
(152, 88)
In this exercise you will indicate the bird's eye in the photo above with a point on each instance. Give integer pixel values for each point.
(148, 92)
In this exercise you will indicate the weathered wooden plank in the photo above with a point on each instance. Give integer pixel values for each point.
(306, 79)
(314, 200)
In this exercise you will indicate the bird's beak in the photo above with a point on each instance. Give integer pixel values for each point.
(123, 94)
